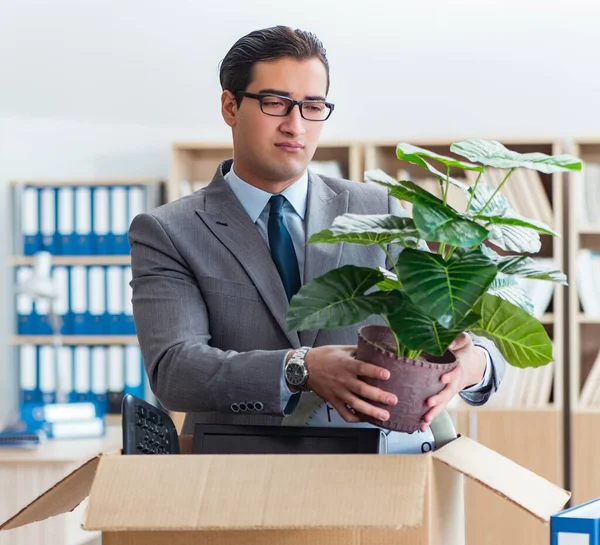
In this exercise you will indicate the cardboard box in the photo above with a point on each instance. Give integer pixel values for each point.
(289, 500)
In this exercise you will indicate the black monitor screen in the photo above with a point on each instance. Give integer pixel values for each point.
(227, 439)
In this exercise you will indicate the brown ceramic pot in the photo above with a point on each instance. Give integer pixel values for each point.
(412, 381)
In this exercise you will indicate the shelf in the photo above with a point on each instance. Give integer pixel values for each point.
(79, 183)
(76, 339)
(589, 230)
(75, 260)
(585, 319)
(547, 318)
(195, 163)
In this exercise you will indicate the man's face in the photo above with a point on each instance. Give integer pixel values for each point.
(276, 150)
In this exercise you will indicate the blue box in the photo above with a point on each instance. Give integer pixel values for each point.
(579, 525)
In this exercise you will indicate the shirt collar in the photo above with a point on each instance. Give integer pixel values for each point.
(254, 199)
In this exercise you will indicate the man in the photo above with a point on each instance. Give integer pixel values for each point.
(213, 272)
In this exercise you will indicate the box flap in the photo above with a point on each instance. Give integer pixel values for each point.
(517, 484)
(63, 497)
(233, 492)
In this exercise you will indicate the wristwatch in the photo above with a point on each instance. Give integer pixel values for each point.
(296, 373)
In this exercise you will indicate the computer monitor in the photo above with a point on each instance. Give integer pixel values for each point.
(234, 439)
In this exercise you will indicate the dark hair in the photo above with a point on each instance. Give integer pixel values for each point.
(268, 44)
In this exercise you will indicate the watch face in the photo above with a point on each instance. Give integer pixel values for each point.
(295, 374)
(397, 442)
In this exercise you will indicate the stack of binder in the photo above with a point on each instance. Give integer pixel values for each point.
(101, 375)
(92, 300)
(80, 220)
(86, 223)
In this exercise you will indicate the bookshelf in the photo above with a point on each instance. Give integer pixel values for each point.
(524, 420)
(83, 225)
(193, 164)
(584, 317)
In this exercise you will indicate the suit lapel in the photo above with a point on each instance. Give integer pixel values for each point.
(324, 205)
(226, 218)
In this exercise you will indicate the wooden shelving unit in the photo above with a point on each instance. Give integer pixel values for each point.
(584, 332)
(194, 164)
(152, 194)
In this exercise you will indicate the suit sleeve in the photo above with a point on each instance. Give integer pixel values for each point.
(171, 318)
(498, 364)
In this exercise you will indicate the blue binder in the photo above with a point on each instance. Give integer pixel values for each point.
(97, 300)
(134, 372)
(24, 303)
(83, 220)
(118, 219)
(30, 219)
(48, 219)
(28, 374)
(100, 379)
(115, 299)
(101, 220)
(66, 375)
(577, 525)
(82, 378)
(79, 300)
(60, 276)
(47, 373)
(66, 221)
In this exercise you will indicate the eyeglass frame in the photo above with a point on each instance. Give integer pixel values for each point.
(261, 96)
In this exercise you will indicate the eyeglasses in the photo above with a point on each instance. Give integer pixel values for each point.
(278, 106)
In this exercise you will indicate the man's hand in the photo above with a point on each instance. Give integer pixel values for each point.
(469, 371)
(333, 375)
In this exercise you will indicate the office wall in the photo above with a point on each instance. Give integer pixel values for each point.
(101, 88)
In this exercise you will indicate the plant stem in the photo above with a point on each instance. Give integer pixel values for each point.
(387, 253)
(446, 185)
(474, 188)
(399, 347)
(413, 354)
(497, 189)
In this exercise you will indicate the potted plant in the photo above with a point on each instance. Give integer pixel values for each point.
(450, 271)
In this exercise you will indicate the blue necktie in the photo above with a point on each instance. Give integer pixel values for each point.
(282, 247)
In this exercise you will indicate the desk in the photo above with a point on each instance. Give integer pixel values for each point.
(25, 474)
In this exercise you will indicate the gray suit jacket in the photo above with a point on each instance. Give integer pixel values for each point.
(209, 305)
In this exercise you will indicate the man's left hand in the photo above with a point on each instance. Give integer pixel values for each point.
(469, 371)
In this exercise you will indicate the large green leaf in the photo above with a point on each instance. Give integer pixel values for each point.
(417, 331)
(445, 290)
(368, 229)
(526, 267)
(440, 223)
(414, 155)
(404, 190)
(515, 239)
(494, 154)
(380, 177)
(522, 340)
(507, 288)
(338, 299)
(519, 222)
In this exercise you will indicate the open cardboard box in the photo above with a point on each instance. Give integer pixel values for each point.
(289, 500)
